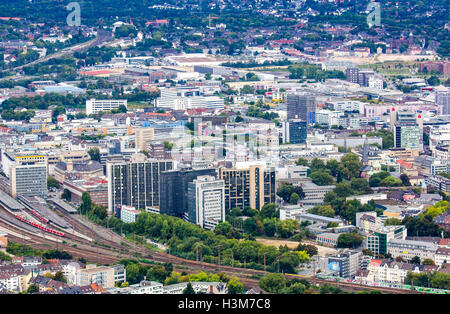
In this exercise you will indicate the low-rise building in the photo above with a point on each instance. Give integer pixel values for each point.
(377, 239)
(442, 256)
(128, 214)
(144, 287)
(328, 238)
(408, 249)
(198, 286)
(386, 271)
(345, 264)
(105, 276)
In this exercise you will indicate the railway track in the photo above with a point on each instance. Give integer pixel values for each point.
(84, 229)
(115, 251)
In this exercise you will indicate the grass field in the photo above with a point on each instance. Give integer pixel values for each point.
(323, 250)
(138, 105)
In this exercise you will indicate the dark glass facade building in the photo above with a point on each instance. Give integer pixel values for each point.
(135, 183)
(301, 107)
(295, 131)
(174, 189)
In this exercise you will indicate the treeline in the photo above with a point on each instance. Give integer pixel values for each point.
(18, 249)
(64, 68)
(313, 72)
(425, 279)
(349, 167)
(95, 55)
(192, 242)
(346, 173)
(45, 101)
(264, 222)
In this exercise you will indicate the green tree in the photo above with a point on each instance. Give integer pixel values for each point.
(67, 195)
(350, 166)
(296, 288)
(268, 211)
(5, 257)
(188, 289)
(86, 203)
(321, 178)
(434, 80)
(235, 286)
(94, 153)
(391, 181)
(288, 262)
(134, 273)
(269, 227)
(294, 199)
(273, 283)
(322, 210)
(360, 186)
(310, 249)
(349, 240)
(156, 273)
(376, 178)
(302, 162)
(428, 261)
(392, 222)
(33, 288)
(286, 228)
(415, 260)
(59, 276)
(405, 180)
(52, 183)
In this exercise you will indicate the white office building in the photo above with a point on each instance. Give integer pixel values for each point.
(182, 98)
(206, 201)
(376, 82)
(408, 249)
(94, 106)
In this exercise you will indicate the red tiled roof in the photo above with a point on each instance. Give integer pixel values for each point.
(444, 241)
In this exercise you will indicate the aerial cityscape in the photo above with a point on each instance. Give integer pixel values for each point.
(243, 147)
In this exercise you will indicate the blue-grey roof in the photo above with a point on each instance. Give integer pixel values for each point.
(9, 201)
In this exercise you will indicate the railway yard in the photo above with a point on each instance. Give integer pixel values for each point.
(83, 239)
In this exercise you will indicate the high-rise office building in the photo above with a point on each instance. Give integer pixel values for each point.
(295, 131)
(253, 186)
(407, 127)
(143, 136)
(408, 136)
(27, 173)
(301, 107)
(136, 182)
(29, 180)
(174, 189)
(352, 75)
(206, 201)
(358, 76)
(443, 99)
